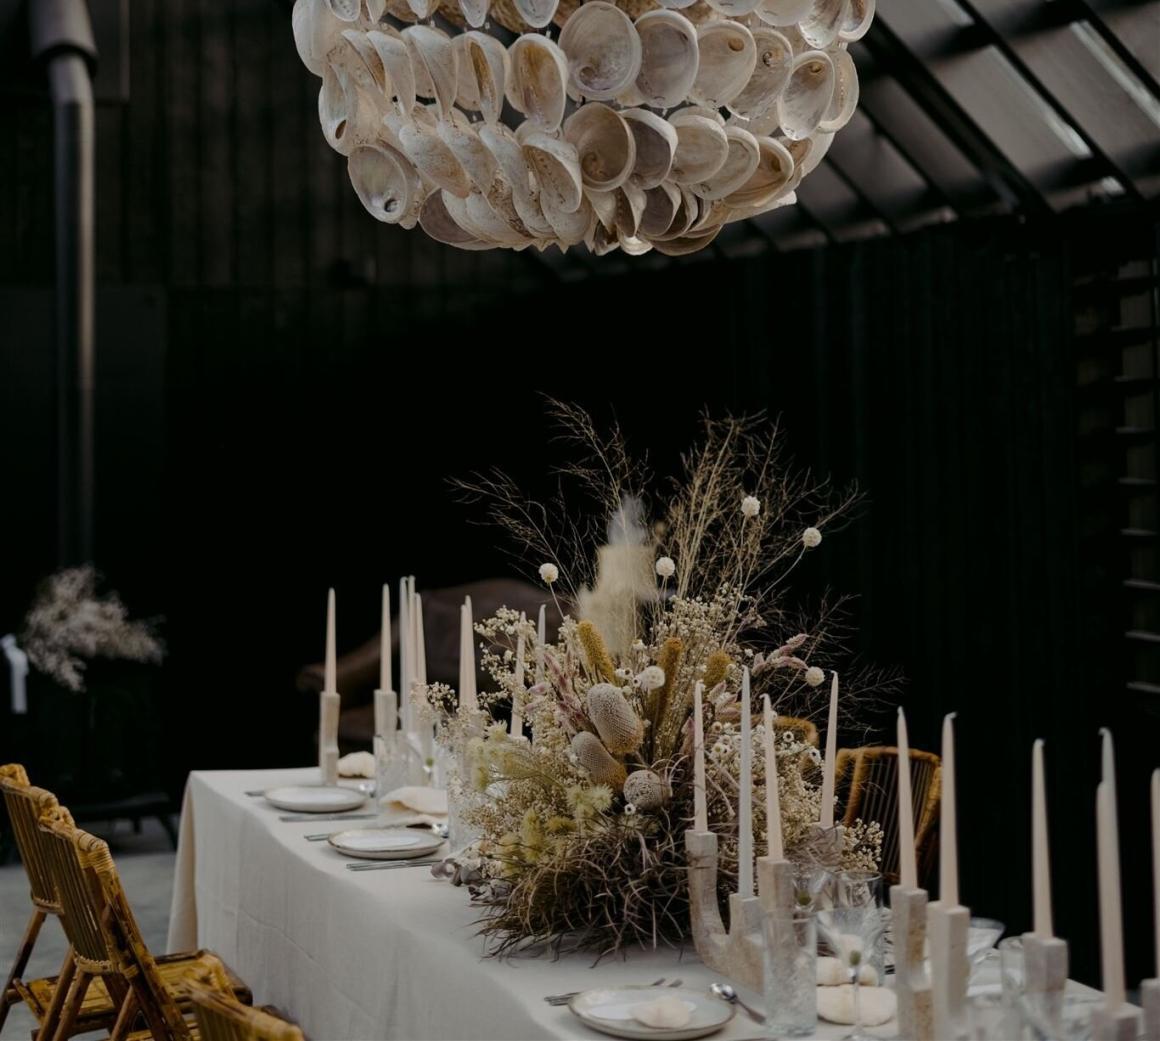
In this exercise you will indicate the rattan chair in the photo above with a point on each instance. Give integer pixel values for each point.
(220, 1017)
(869, 777)
(803, 729)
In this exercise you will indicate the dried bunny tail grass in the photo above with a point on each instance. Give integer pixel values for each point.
(716, 668)
(596, 654)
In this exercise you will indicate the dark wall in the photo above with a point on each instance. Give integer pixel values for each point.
(285, 385)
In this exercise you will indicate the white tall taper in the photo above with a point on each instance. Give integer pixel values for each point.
(386, 702)
(517, 727)
(828, 767)
(700, 809)
(1150, 989)
(468, 698)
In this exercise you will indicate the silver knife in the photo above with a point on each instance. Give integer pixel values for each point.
(299, 818)
(386, 865)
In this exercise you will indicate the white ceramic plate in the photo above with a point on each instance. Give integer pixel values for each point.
(315, 798)
(384, 843)
(609, 1010)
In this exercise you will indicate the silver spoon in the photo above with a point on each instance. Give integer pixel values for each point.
(725, 992)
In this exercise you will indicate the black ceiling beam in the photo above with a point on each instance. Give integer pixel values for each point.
(1007, 180)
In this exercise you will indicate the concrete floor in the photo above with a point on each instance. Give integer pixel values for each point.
(145, 863)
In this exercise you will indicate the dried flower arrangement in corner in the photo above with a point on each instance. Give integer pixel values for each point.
(581, 827)
(70, 623)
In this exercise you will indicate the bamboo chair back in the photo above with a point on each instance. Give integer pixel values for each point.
(25, 805)
(803, 729)
(221, 1017)
(870, 776)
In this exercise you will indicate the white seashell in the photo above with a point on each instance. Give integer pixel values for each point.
(509, 156)
(856, 19)
(669, 58)
(433, 159)
(488, 224)
(385, 182)
(600, 241)
(630, 97)
(656, 144)
(632, 245)
(435, 59)
(816, 148)
(819, 27)
(348, 118)
(475, 12)
(687, 212)
(482, 74)
(537, 80)
(676, 5)
(603, 51)
(783, 12)
(423, 9)
(660, 209)
(875, 1006)
(437, 223)
(770, 75)
(570, 228)
(775, 167)
(316, 31)
(363, 63)
(845, 96)
(679, 247)
(702, 147)
(604, 144)
(733, 8)
(727, 58)
(630, 204)
(346, 10)
(537, 13)
(740, 164)
(807, 95)
(375, 9)
(471, 153)
(604, 206)
(392, 52)
(556, 167)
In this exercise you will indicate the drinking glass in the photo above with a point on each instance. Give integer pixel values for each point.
(1011, 973)
(791, 971)
(855, 936)
(397, 764)
(857, 889)
(990, 1018)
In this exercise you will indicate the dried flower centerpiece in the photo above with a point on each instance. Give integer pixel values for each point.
(582, 826)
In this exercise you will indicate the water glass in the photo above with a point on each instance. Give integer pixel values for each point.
(791, 970)
(396, 764)
(1011, 971)
(990, 1018)
(857, 889)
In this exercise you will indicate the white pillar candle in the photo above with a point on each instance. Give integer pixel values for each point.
(700, 809)
(385, 641)
(1040, 855)
(828, 767)
(405, 654)
(774, 849)
(330, 668)
(1111, 921)
(745, 797)
(541, 637)
(517, 728)
(948, 850)
(1156, 862)
(468, 699)
(907, 861)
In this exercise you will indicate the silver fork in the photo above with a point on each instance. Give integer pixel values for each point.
(563, 999)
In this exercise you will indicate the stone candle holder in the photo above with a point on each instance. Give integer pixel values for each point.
(947, 928)
(329, 704)
(1045, 973)
(1118, 1024)
(1150, 999)
(912, 986)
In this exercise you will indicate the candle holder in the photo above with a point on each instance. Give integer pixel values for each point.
(328, 709)
(1045, 974)
(947, 928)
(908, 909)
(1116, 1024)
(1150, 999)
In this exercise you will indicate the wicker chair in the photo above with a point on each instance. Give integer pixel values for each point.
(869, 777)
(223, 1018)
(803, 729)
(111, 978)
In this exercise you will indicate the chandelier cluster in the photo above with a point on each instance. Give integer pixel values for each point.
(641, 126)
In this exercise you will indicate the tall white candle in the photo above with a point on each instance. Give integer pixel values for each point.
(541, 637)
(745, 797)
(1040, 854)
(774, 849)
(828, 767)
(468, 699)
(517, 729)
(405, 654)
(330, 669)
(425, 728)
(1108, 760)
(948, 850)
(1111, 921)
(700, 809)
(1156, 862)
(907, 861)
(385, 641)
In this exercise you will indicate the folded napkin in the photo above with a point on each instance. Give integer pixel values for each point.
(876, 1005)
(666, 1013)
(357, 764)
(419, 800)
(832, 973)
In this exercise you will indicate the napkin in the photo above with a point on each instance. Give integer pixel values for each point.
(831, 973)
(876, 1004)
(357, 764)
(419, 800)
(667, 1013)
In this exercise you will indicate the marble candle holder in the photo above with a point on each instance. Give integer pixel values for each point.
(947, 929)
(1045, 974)
(912, 986)
(329, 704)
(1150, 999)
(1118, 1024)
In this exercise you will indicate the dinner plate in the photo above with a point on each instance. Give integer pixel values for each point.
(316, 798)
(384, 843)
(609, 1010)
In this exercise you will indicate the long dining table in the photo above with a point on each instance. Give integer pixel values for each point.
(374, 955)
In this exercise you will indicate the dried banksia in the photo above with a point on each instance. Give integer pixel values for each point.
(619, 727)
(599, 660)
(645, 790)
(594, 757)
(716, 668)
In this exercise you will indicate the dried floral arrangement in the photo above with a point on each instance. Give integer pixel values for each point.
(580, 829)
(71, 622)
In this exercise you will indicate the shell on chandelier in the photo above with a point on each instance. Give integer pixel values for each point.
(630, 125)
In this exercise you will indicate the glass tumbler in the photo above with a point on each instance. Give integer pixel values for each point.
(791, 969)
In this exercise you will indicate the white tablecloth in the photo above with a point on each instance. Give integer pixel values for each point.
(370, 954)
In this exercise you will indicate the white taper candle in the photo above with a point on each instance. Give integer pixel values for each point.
(1156, 862)
(517, 728)
(700, 809)
(745, 797)
(828, 767)
(541, 637)
(468, 699)
(385, 641)
(907, 860)
(1111, 920)
(773, 845)
(948, 850)
(1040, 853)
(405, 654)
(330, 668)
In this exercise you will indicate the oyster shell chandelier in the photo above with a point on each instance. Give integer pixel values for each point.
(642, 125)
